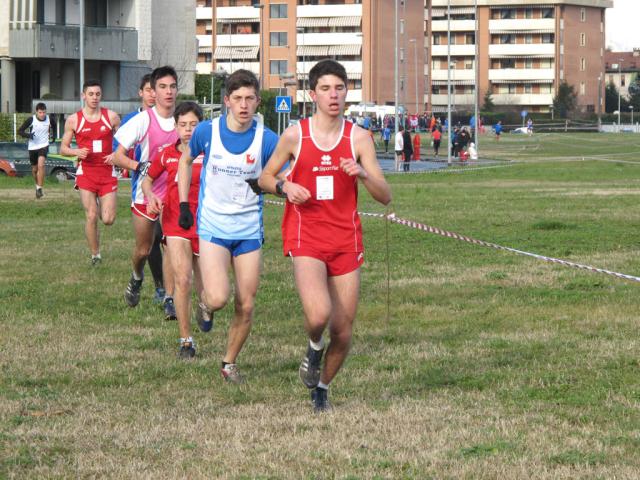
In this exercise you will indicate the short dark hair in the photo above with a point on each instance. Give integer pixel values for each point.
(91, 83)
(41, 106)
(187, 107)
(160, 72)
(242, 78)
(326, 67)
(144, 80)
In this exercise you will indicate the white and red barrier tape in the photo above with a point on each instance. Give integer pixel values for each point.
(444, 233)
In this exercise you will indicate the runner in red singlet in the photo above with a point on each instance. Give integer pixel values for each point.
(321, 229)
(96, 179)
(182, 244)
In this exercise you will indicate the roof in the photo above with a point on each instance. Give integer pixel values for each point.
(630, 61)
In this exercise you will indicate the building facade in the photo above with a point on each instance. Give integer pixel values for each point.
(123, 39)
(525, 48)
(622, 69)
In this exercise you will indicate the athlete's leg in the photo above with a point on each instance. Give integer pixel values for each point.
(197, 278)
(311, 282)
(40, 171)
(180, 254)
(214, 263)
(143, 231)
(167, 273)
(88, 200)
(246, 268)
(344, 291)
(34, 173)
(108, 208)
(155, 257)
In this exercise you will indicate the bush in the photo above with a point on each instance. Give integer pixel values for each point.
(6, 125)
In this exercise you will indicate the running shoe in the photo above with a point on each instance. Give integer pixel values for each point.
(132, 293)
(158, 298)
(169, 309)
(204, 318)
(39, 193)
(187, 351)
(95, 261)
(310, 367)
(231, 374)
(320, 400)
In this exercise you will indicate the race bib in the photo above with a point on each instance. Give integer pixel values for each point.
(97, 146)
(324, 188)
(239, 192)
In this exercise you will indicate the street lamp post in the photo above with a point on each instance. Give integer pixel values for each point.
(620, 88)
(81, 52)
(395, 70)
(415, 65)
(262, 46)
(449, 129)
(476, 132)
(304, 75)
(599, 102)
(631, 108)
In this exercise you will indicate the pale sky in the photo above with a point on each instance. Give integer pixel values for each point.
(622, 29)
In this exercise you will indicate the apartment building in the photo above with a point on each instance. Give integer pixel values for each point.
(622, 69)
(525, 48)
(123, 39)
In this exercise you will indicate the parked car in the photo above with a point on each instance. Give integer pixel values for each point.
(58, 166)
(520, 130)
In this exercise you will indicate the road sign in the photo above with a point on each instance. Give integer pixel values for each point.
(283, 104)
(524, 113)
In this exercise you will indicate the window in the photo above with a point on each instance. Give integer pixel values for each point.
(583, 64)
(583, 39)
(583, 88)
(470, 39)
(623, 81)
(508, 38)
(278, 39)
(583, 14)
(528, 38)
(278, 10)
(508, 63)
(547, 13)
(512, 88)
(528, 13)
(468, 64)
(610, 78)
(506, 13)
(436, 39)
(436, 64)
(547, 38)
(528, 63)
(528, 88)
(277, 67)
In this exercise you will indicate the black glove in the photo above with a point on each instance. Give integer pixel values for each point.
(142, 168)
(186, 217)
(32, 136)
(253, 183)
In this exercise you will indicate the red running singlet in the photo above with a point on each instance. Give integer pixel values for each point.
(97, 137)
(328, 221)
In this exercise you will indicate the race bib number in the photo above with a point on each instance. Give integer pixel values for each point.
(97, 146)
(239, 192)
(324, 188)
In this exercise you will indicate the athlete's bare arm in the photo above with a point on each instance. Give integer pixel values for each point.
(284, 152)
(120, 159)
(366, 167)
(65, 145)
(114, 119)
(184, 176)
(154, 204)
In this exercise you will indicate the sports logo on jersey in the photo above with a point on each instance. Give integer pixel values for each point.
(85, 130)
(250, 159)
(346, 159)
(325, 160)
(102, 128)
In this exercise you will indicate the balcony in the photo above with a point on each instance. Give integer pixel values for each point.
(204, 13)
(455, 74)
(239, 40)
(238, 14)
(458, 50)
(456, 25)
(529, 25)
(522, 74)
(522, 49)
(351, 10)
(63, 41)
(456, 99)
(545, 99)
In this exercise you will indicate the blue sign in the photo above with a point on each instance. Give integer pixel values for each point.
(524, 113)
(283, 104)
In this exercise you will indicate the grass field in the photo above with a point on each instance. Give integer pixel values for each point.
(491, 365)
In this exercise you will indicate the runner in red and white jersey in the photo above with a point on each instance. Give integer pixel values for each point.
(321, 229)
(182, 245)
(93, 128)
(332, 207)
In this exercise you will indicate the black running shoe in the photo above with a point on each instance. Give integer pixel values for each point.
(310, 367)
(204, 317)
(95, 261)
(39, 193)
(132, 293)
(169, 309)
(320, 400)
(187, 351)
